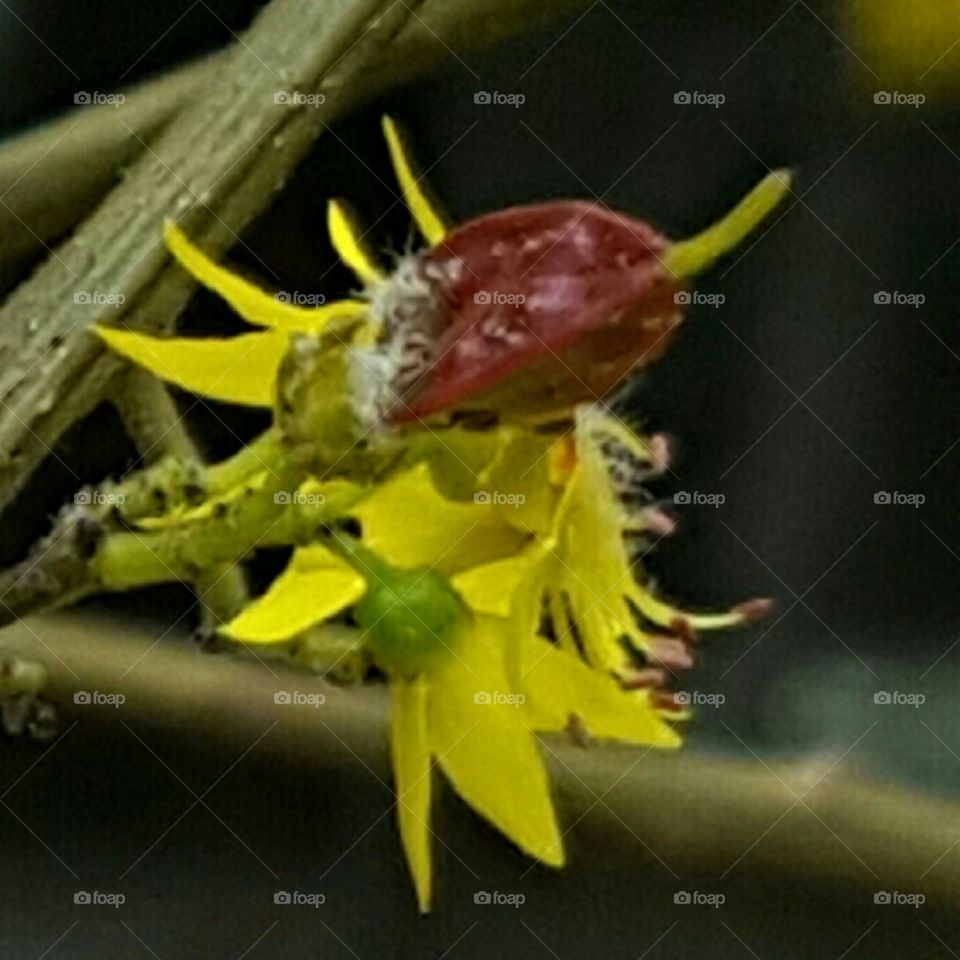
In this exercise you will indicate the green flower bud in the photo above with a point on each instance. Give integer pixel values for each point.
(409, 618)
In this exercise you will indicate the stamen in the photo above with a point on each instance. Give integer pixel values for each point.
(667, 700)
(753, 610)
(685, 630)
(658, 521)
(671, 653)
(661, 453)
(643, 678)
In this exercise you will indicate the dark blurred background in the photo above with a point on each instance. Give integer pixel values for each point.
(799, 398)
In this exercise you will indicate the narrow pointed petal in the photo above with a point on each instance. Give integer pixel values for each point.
(315, 585)
(256, 306)
(410, 751)
(558, 686)
(431, 221)
(348, 242)
(240, 369)
(486, 750)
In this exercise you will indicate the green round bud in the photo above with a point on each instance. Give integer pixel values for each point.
(409, 618)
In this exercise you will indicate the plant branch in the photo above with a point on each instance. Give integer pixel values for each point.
(215, 166)
(158, 430)
(697, 813)
(81, 154)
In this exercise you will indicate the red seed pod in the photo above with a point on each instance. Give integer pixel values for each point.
(549, 305)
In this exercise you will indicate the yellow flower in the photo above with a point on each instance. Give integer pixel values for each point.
(240, 369)
(243, 369)
(472, 679)
(571, 500)
(594, 589)
(470, 683)
(466, 535)
(468, 714)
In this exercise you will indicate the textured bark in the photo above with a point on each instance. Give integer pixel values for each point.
(214, 167)
(82, 154)
(203, 168)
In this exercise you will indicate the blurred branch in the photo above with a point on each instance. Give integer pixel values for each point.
(697, 813)
(82, 155)
(158, 430)
(214, 165)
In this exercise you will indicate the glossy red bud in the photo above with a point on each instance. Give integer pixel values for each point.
(549, 305)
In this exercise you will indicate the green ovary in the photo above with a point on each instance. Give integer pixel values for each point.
(410, 619)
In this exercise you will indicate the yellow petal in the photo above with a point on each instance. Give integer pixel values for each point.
(560, 618)
(316, 585)
(253, 304)
(520, 475)
(485, 748)
(348, 242)
(589, 528)
(457, 457)
(558, 685)
(432, 223)
(490, 587)
(410, 750)
(409, 524)
(237, 370)
(593, 567)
